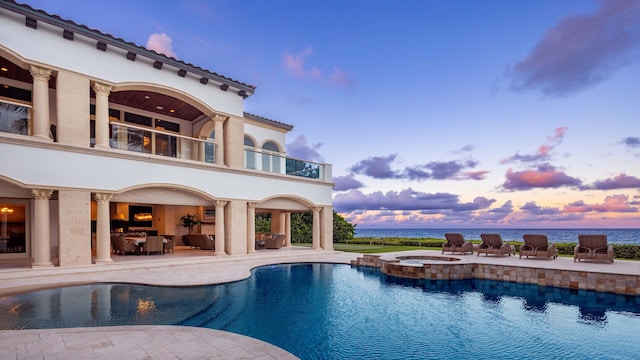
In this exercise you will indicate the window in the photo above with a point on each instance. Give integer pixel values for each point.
(166, 145)
(270, 162)
(138, 140)
(12, 228)
(14, 119)
(249, 154)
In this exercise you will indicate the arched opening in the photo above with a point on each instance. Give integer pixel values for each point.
(272, 161)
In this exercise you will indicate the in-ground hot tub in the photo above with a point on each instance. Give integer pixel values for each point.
(421, 260)
(427, 267)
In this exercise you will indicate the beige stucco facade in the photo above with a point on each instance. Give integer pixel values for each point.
(95, 147)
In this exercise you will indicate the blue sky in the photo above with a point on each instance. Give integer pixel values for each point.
(434, 114)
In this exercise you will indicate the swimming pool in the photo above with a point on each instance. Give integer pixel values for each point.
(324, 311)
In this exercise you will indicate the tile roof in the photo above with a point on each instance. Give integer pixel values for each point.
(55, 20)
(264, 120)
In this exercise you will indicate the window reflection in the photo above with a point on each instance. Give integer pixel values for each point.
(14, 118)
(12, 228)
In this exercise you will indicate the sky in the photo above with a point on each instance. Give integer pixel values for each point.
(432, 113)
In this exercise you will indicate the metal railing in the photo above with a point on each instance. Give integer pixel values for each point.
(151, 141)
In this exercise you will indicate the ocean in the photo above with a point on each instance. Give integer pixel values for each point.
(614, 236)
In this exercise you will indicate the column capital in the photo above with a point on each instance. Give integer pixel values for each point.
(41, 194)
(102, 89)
(220, 203)
(251, 205)
(103, 197)
(219, 118)
(39, 73)
(316, 209)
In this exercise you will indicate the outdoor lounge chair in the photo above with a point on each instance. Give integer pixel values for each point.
(492, 244)
(275, 242)
(125, 247)
(593, 247)
(456, 244)
(538, 246)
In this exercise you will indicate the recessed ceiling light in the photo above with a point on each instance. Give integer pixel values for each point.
(172, 111)
(4, 69)
(146, 97)
(159, 107)
(5, 86)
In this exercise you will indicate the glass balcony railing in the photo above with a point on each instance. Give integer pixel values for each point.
(276, 163)
(150, 141)
(14, 118)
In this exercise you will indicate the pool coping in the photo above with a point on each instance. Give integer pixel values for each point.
(622, 279)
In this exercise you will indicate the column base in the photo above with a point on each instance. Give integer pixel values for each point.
(42, 265)
(42, 138)
(252, 251)
(102, 147)
(104, 261)
(218, 253)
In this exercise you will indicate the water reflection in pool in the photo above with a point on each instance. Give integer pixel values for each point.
(336, 312)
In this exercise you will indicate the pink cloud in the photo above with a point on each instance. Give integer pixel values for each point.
(545, 176)
(295, 65)
(341, 78)
(615, 203)
(621, 181)
(544, 151)
(162, 44)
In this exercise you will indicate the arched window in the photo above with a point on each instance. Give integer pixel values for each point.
(270, 162)
(249, 153)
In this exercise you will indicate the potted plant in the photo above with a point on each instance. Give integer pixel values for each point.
(188, 221)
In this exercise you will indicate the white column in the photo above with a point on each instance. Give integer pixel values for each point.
(41, 102)
(102, 115)
(287, 228)
(251, 228)
(103, 233)
(219, 244)
(219, 138)
(315, 242)
(41, 239)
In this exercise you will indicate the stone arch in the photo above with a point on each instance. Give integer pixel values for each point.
(170, 194)
(165, 90)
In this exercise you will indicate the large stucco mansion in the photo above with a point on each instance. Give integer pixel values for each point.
(97, 134)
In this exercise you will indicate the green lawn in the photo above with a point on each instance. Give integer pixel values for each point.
(371, 249)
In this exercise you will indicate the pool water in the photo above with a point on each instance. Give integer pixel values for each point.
(325, 311)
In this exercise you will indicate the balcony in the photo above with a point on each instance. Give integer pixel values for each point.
(157, 142)
(276, 163)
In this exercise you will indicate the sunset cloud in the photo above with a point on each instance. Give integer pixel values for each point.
(632, 142)
(545, 176)
(544, 151)
(341, 78)
(582, 51)
(162, 44)
(621, 181)
(407, 199)
(301, 149)
(345, 183)
(377, 167)
(615, 203)
(380, 167)
(296, 66)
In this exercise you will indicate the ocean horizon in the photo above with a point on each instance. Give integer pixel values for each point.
(614, 236)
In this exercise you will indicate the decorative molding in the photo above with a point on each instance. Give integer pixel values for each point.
(68, 34)
(40, 194)
(101, 46)
(101, 89)
(157, 65)
(182, 72)
(224, 87)
(204, 81)
(131, 56)
(40, 74)
(103, 197)
(31, 22)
